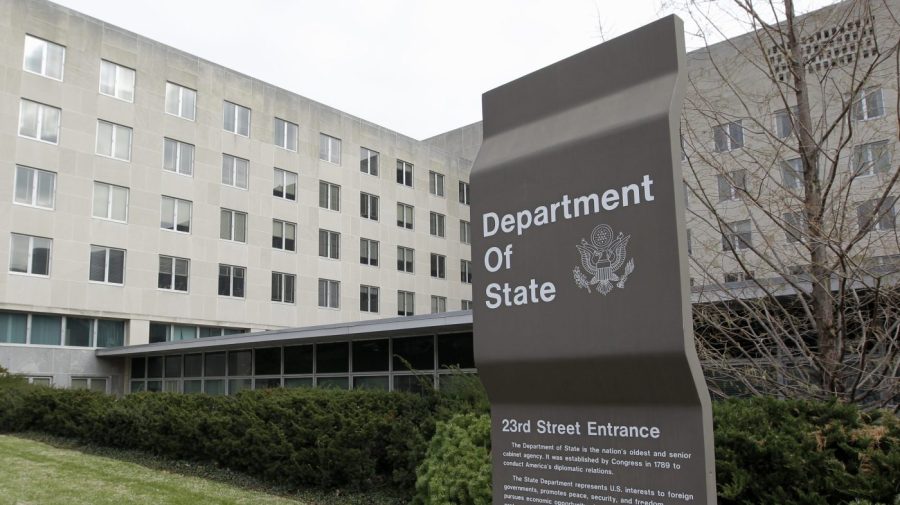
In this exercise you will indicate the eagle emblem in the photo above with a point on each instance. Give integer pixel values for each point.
(602, 258)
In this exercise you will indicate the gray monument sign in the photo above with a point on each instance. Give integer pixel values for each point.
(583, 332)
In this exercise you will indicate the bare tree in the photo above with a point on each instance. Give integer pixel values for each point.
(791, 182)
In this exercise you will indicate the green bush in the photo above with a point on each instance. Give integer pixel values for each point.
(804, 453)
(457, 467)
(326, 438)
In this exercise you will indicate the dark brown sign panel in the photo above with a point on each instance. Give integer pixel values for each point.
(582, 313)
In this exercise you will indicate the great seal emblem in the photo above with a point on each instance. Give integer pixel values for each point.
(602, 258)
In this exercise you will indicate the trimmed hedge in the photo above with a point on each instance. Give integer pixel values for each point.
(325, 438)
(767, 452)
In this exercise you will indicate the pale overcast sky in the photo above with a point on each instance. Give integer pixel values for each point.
(415, 66)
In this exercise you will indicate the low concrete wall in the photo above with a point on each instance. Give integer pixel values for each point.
(62, 364)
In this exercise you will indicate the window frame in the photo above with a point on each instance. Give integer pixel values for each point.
(285, 174)
(106, 260)
(368, 293)
(860, 106)
(406, 255)
(465, 232)
(29, 269)
(175, 214)
(436, 184)
(369, 245)
(365, 160)
(178, 169)
(286, 134)
(737, 240)
(181, 105)
(233, 169)
(465, 271)
(437, 302)
(284, 226)
(233, 225)
(332, 291)
(39, 121)
(283, 276)
(437, 224)
(368, 202)
(44, 59)
(729, 136)
(232, 271)
(406, 303)
(405, 173)
(868, 149)
(736, 181)
(116, 78)
(114, 141)
(237, 108)
(33, 191)
(402, 209)
(327, 145)
(438, 266)
(332, 243)
(332, 202)
(465, 193)
(172, 276)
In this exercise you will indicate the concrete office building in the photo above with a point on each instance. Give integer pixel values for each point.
(156, 203)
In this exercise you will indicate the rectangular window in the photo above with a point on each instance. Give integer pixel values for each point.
(237, 119)
(13, 328)
(405, 259)
(465, 232)
(795, 226)
(406, 303)
(235, 171)
(738, 235)
(30, 255)
(35, 187)
(46, 330)
(116, 81)
(368, 161)
(738, 276)
(113, 140)
(869, 104)
(329, 196)
(110, 333)
(728, 136)
(38, 121)
(233, 225)
(464, 193)
(784, 122)
(329, 294)
(404, 173)
(231, 281)
(368, 299)
(465, 305)
(438, 304)
(405, 216)
(435, 183)
(368, 252)
(107, 265)
(877, 219)
(436, 222)
(283, 287)
(173, 273)
(44, 58)
(284, 235)
(438, 266)
(181, 101)
(732, 185)
(330, 244)
(465, 271)
(871, 158)
(285, 185)
(368, 206)
(178, 157)
(286, 134)
(329, 149)
(175, 214)
(79, 332)
(792, 174)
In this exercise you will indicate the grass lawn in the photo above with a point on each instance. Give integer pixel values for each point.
(36, 473)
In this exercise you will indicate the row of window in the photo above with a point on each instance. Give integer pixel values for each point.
(869, 104)
(99, 384)
(364, 364)
(41, 122)
(31, 255)
(49, 329)
(867, 159)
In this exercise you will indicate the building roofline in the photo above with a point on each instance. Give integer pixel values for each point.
(394, 326)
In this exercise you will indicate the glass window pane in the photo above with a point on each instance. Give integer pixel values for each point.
(298, 359)
(138, 368)
(270, 383)
(40, 256)
(193, 366)
(104, 138)
(154, 367)
(46, 181)
(159, 333)
(98, 264)
(192, 386)
(370, 356)
(298, 382)
(79, 383)
(110, 333)
(418, 352)
(215, 364)
(332, 357)
(188, 103)
(456, 350)
(172, 98)
(268, 361)
(24, 184)
(34, 54)
(13, 327)
(167, 213)
(413, 383)
(290, 191)
(173, 366)
(78, 331)
(18, 261)
(107, 78)
(240, 363)
(138, 386)
(116, 266)
(380, 383)
(240, 227)
(46, 330)
(214, 387)
(225, 224)
(235, 386)
(123, 143)
(183, 332)
(333, 383)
